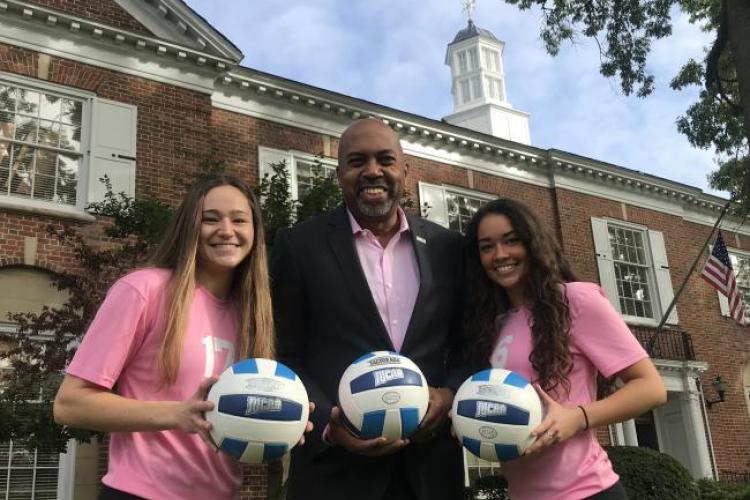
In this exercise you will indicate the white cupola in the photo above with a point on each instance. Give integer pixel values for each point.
(480, 103)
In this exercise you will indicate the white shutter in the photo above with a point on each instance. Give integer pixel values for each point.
(268, 157)
(663, 278)
(432, 203)
(723, 303)
(113, 151)
(604, 260)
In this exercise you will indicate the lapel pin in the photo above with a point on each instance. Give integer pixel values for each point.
(421, 240)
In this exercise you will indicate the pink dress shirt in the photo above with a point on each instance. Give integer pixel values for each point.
(392, 274)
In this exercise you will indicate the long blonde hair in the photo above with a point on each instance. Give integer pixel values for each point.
(250, 284)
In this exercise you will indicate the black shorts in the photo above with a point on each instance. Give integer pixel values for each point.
(614, 492)
(107, 493)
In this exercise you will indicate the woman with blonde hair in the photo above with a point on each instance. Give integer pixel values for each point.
(158, 341)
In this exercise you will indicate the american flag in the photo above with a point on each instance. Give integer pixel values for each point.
(719, 274)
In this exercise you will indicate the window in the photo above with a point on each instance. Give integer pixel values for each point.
(476, 87)
(465, 92)
(633, 270)
(40, 144)
(28, 474)
(491, 59)
(308, 173)
(56, 143)
(450, 206)
(463, 65)
(494, 88)
(461, 208)
(473, 59)
(301, 167)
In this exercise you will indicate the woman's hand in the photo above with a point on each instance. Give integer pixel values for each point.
(189, 415)
(560, 424)
(308, 427)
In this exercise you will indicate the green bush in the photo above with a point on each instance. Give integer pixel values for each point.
(719, 490)
(649, 475)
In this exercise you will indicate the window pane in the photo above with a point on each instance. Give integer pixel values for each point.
(309, 175)
(27, 102)
(461, 209)
(21, 170)
(465, 94)
(26, 127)
(7, 98)
(49, 133)
(34, 124)
(49, 107)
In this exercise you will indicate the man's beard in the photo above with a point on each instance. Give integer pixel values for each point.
(375, 210)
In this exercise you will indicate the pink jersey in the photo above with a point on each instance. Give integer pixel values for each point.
(599, 341)
(121, 347)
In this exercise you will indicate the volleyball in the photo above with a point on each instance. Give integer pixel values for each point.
(383, 394)
(494, 412)
(260, 410)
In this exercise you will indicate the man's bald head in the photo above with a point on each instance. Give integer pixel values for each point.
(371, 171)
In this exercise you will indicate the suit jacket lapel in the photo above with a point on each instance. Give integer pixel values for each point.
(421, 250)
(342, 245)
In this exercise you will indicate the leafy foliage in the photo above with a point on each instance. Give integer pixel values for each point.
(624, 32)
(649, 475)
(718, 490)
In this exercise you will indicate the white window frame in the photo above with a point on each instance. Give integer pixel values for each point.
(118, 161)
(434, 206)
(723, 301)
(268, 156)
(659, 273)
(86, 99)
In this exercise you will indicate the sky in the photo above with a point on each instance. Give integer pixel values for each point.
(392, 52)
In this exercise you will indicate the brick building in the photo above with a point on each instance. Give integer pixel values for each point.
(144, 90)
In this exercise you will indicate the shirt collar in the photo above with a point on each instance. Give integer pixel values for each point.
(403, 223)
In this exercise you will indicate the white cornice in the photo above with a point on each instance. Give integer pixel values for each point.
(273, 98)
(34, 18)
(176, 21)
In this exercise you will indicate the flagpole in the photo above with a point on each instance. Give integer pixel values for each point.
(664, 317)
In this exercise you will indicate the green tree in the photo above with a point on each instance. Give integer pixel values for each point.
(624, 32)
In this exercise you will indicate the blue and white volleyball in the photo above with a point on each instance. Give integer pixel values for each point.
(383, 394)
(260, 410)
(494, 412)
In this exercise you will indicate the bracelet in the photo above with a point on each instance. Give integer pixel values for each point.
(585, 417)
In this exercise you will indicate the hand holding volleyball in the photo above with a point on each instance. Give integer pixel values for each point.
(260, 410)
(494, 413)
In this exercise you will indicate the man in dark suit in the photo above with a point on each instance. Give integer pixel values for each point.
(367, 277)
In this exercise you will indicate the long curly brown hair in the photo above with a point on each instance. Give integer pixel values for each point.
(487, 304)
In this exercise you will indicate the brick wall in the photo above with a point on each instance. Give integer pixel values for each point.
(102, 11)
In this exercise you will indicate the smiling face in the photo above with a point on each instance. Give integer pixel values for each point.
(371, 170)
(226, 232)
(503, 255)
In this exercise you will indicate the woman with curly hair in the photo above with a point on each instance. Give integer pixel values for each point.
(527, 313)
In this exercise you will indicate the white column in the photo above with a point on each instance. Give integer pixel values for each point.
(696, 430)
(67, 472)
(631, 437)
(619, 435)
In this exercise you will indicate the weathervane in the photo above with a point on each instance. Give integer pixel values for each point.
(468, 7)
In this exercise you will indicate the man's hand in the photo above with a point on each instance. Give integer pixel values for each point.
(338, 434)
(441, 401)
